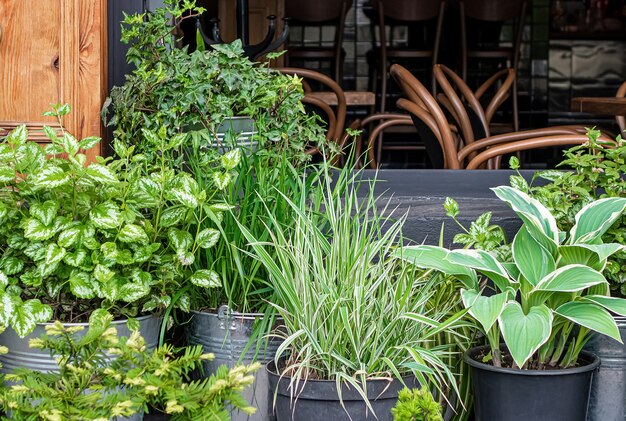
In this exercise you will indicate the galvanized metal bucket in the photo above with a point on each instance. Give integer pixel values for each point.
(608, 387)
(21, 355)
(227, 334)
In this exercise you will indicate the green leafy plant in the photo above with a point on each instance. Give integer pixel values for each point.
(193, 93)
(416, 405)
(76, 237)
(102, 377)
(597, 171)
(553, 284)
(352, 313)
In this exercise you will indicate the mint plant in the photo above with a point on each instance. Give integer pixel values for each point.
(102, 376)
(76, 237)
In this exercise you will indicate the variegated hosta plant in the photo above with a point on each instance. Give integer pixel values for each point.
(77, 237)
(553, 284)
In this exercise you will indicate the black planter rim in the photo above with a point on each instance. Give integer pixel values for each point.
(593, 361)
(376, 389)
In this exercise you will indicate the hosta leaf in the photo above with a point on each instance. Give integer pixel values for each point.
(207, 238)
(54, 253)
(525, 333)
(105, 215)
(81, 285)
(179, 240)
(101, 174)
(592, 316)
(69, 237)
(615, 305)
(531, 258)
(206, 279)
(595, 218)
(51, 178)
(485, 310)
(36, 231)
(133, 292)
(431, 257)
(171, 216)
(132, 233)
(7, 174)
(221, 180)
(482, 262)
(570, 278)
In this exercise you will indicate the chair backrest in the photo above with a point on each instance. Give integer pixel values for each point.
(621, 121)
(493, 10)
(429, 119)
(317, 12)
(336, 118)
(408, 10)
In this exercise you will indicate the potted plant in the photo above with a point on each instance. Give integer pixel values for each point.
(545, 303)
(91, 386)
(358, 324)
(596, 171)
(214, 96)
(77, 237)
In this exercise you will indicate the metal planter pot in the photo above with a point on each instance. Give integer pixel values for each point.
(319, 399)
(244, 130)
(227, 335)
(524, 395)
(608, 388)
(21, 355)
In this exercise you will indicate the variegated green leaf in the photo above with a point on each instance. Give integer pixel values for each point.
(54, 253)
(103, 274)
(105, 215)
(570, 278)
(172, 216)
(482, 262)
(613, 304)
(206, 279)
(221, 180)
(133, 292)
(595, 218)
(231, 159)
(531, 258)
(69, 237)
(132, 233)
(51, 178)
(8, 305)
(179, 240)
(101, 174)
(525, 333)
(485, 310)
(207, 238)
(592, 316)
(4, 280)
(75, 259)
(12, 265)
(82, 285)
(36, 231)
(27, 315)
(7, 174)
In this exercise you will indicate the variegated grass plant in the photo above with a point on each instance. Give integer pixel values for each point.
(351, 312)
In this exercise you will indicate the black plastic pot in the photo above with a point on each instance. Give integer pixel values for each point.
(319, 400)
(525, 395)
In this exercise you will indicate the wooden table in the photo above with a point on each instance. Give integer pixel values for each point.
(600, 105)
(353, 98)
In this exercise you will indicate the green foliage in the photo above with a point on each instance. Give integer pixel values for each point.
(192, 93)
(102, 377)
(350, 311)
(416, 405)
(598, 172)
(552, 283)
(76, 237)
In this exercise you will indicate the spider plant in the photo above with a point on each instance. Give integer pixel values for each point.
(351, 312)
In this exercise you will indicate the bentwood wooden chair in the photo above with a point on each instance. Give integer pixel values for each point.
(621, 121)
(448, 149)
(319, 13)
(481, 27)
(411, 13)
(335, 117)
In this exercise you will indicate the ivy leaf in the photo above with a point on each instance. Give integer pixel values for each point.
(132, 233)
(206, 278)
(105, 215)
(207, 238)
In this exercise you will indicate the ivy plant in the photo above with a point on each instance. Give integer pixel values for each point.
(102, 376)
(193, 93)
(76, 237)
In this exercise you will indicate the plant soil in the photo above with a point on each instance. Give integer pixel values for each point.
(507, 362)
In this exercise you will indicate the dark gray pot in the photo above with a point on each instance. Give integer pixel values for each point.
(319, 400)
(244, 130)
(608, 388)
(227, 335)
(21, 355)
(523, 395)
